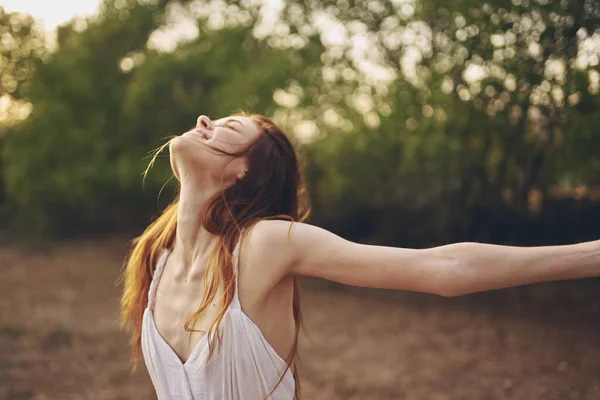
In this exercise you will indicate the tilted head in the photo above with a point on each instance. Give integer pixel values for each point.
(248, 158)
(251, 171)
(208, 148)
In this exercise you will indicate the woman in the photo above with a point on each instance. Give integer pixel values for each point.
(210, 286)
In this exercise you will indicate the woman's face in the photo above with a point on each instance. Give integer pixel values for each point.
(231, 134)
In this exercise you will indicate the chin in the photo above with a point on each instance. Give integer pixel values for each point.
(187, 154)
(183, 143)
(188, 148)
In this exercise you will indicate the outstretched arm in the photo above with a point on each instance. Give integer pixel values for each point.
(450, 270)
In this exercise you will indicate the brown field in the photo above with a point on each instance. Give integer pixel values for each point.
(59, 336)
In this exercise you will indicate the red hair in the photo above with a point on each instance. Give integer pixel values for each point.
(272, 189)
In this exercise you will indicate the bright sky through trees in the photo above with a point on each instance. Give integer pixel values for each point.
(52, 13)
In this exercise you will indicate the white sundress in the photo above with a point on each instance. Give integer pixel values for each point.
(243, 367)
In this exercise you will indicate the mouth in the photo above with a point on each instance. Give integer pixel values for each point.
(202, 133)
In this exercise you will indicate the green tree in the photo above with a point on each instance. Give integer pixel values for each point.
(104, 99)
(479, 105)
(22, 48)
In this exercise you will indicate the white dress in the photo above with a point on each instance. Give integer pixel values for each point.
(243, 367)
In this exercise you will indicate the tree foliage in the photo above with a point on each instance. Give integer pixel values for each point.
(443, 117)
(103, 100)
(485, 104)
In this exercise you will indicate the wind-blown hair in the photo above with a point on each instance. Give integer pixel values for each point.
(272, 189)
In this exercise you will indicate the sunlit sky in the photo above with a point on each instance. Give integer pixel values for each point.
(52, 13)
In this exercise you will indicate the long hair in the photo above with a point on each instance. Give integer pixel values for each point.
(272, 189)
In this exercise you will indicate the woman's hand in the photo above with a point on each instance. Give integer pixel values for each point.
(449, 270)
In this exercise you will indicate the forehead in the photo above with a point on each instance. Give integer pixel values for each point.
(242, 124)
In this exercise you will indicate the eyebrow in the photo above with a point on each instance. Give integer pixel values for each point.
(234, 120)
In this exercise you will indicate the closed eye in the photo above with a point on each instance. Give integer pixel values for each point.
(228, 124)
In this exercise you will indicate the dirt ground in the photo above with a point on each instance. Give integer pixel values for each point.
(59, 337)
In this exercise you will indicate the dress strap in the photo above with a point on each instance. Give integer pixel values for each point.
(236, 271)
(160, 266)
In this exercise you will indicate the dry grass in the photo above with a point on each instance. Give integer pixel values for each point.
(59, 336)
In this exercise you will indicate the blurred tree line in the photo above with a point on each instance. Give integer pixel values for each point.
(418, 123)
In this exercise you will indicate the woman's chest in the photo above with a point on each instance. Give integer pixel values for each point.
(179, 319)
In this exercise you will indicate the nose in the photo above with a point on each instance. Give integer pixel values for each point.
(204, 122)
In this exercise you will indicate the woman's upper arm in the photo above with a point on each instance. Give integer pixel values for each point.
(312, 251)
(448, 270)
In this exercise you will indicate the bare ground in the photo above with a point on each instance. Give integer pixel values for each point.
(59, 336)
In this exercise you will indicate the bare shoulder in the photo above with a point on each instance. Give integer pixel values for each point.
(288, 233)
(304, 249)
(268, 245)
(288, 236)
(285, 244)
(263, 254)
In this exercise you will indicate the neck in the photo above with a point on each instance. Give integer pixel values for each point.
(191, 239)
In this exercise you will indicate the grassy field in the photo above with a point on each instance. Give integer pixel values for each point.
(59, 336)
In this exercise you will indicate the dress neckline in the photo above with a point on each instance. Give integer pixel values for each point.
(235, 303)
(202, 342)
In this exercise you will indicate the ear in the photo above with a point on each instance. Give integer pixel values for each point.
(242, 175)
